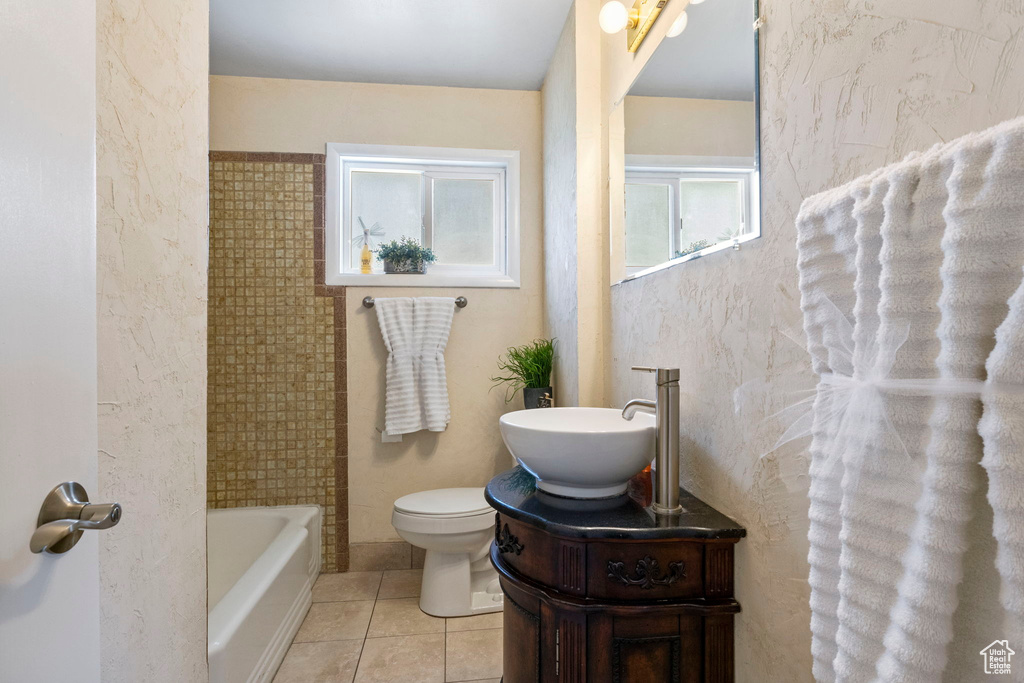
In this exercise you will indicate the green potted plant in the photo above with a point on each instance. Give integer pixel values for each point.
(405, 256)
(528, 367)
(694, 247)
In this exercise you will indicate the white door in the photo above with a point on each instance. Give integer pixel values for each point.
(49, 604)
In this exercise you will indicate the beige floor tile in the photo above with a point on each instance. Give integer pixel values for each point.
(333, 662)
(473, 655)
(408, 659)
(400, 583)
(402, 617)
(477, 622)
(346, 586)
(335, 621)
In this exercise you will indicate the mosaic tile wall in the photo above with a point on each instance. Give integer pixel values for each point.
(274, 408)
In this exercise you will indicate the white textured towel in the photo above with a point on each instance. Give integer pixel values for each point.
(938, 252)
(415, 333)
(827, 253)
(1002, 427)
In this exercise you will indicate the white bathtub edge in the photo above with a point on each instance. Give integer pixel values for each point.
(272, 657)
(246, 642)
(229, 614)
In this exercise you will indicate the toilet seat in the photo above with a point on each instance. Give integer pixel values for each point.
(463, 502)
(443, 511)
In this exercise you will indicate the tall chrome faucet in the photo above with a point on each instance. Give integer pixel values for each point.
(666, 412)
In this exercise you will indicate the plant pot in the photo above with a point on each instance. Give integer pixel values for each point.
(534, 397)
(405, 267)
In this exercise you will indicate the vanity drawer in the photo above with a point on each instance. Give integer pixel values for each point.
(645, 571)
(549, 560)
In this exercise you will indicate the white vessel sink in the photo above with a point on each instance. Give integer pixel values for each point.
(580, 452)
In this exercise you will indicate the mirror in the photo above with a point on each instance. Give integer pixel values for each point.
(690, 144)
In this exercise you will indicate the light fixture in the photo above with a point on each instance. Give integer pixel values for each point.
(614, 17)
(696, 2)
(679, 25)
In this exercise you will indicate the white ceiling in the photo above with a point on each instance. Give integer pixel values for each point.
(712, 59)
(503, 44)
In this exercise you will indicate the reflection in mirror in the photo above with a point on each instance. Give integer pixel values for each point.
(691, 142)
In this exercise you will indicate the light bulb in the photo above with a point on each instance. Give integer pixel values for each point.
(613, 17)
(678, 26)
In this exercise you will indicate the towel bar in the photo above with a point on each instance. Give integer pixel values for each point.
(459, 301)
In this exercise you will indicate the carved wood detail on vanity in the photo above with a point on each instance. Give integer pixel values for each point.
(572, 659)
(604, 591)
(572, 575)
(718, 570)
(506, 542)
(647, 574)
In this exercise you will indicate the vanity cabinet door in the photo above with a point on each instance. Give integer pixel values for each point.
(522, 634)
(664, 648)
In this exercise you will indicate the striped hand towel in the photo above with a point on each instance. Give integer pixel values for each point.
(415, 333)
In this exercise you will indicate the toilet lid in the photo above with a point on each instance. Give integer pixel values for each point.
(444, 503)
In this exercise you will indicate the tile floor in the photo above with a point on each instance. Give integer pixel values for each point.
(366, 627)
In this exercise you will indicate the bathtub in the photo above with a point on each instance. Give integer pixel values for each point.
(262, 565)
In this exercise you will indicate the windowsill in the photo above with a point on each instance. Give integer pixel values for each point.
(721, 246)
(425, 280)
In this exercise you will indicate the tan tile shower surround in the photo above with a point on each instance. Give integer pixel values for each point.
(278, 426)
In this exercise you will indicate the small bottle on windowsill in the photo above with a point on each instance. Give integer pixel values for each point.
(366, 260)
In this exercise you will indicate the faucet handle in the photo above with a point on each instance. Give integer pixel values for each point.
(642, 368)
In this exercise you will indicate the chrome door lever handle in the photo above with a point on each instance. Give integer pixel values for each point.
(100, 516)
(65, 514)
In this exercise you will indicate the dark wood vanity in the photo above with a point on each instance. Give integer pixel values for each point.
(603, 590)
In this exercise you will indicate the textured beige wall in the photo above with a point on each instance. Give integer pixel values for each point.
(687, 126)
(151, 225)
(301, 116)
(846, 88)
(560, 262)
(575, 238)
(592, 274)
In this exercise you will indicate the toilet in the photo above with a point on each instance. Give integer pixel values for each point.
(455, 527)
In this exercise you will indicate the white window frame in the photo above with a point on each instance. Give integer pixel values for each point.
(671, 170)
(500, 166)
(661, 180)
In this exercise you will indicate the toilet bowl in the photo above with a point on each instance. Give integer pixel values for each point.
(455, 527)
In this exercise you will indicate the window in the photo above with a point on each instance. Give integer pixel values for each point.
(463, 204)
(673, 213)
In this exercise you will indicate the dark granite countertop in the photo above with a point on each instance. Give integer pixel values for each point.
(514, 493)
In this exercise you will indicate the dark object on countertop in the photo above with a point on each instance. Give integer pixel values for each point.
(641, 487)
(605, 590)
(537, 398)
